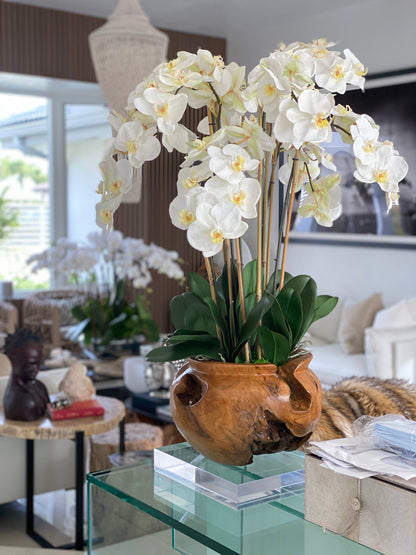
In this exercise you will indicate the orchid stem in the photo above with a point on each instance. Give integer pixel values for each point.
(227, 257)
(241, 294)
(271, 201)
(289, 216)
(211, 281)
(259, 281)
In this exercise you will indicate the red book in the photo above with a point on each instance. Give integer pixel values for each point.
(77, 409)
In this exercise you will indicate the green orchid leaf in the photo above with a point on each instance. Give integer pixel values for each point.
(221, 323)
(249, 329)
(306, 287)
(324, 305)
(183, 331)
(276, 347)
(175, 339)
(270, 286)
(222, 283)
(291, 306)
(185, 350)
(199, 286)
(250, 278)
(190, 312)
(275, 320)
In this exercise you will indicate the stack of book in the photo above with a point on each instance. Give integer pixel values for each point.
(77, 409)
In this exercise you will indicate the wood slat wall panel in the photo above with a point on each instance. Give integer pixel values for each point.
(52, 43)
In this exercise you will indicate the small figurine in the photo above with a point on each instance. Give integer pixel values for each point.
(76, 384)
(25, 397)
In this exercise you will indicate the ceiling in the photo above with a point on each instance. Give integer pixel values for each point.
(223, 18)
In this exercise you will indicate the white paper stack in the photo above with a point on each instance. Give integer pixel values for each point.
(381, 445)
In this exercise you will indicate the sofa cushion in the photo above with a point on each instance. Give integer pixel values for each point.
(391, 352)
(331, 364)
(354, 320)
(399, 315)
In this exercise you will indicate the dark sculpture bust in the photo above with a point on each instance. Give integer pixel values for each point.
(25, 397)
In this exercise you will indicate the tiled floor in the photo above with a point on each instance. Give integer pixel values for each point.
(14, 541)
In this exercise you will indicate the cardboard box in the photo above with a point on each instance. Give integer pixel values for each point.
(377, 512)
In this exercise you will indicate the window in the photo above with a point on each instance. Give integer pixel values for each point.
(52, 138)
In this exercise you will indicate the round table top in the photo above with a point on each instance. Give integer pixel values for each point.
(44, 428)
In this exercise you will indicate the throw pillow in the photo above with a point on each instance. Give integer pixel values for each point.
(390, 352)
(398, 315)
(355, 319)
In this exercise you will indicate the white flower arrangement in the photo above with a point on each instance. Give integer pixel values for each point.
(228, 175)
(107, 257)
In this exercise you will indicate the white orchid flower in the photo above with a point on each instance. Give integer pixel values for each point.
(334, 74)
(231, 162)
(140, 145)
(252, 136)
(180, 139)
(178, 72)
(392, 199)
(191, 177)
(360, 71)
(166, 109)
(306, 120)
(322, 200)
(213, 224)
(307, 170)
(387, 169)
(199, 97)
(104, 211)
(182, 209)
(210, 66)
(245, 194)
(365, 138)
(229, 90)
(297, 67)
(117, 176)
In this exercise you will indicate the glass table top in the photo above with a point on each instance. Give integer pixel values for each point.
(276, 527)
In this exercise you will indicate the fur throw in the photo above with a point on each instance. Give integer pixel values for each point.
(355, 397)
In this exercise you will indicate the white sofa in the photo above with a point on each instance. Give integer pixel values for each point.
(54, 458)
(389, 345)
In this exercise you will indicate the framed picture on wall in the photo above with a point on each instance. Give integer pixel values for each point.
(389, 98)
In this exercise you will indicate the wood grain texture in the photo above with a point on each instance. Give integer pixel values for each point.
(230, 412)
(66, 429)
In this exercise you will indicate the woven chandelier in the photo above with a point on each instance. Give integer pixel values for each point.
(124, 51)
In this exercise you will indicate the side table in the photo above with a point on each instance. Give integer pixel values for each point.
(122, 500)
(76, 429)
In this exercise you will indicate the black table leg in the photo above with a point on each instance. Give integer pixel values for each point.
(122, 436)
(30, 470)
(79, 490)
(29, 485)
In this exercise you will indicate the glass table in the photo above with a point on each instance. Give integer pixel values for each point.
(135, 509)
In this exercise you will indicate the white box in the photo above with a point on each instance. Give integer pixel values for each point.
(377, 512)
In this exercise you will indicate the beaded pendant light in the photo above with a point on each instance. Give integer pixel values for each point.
(124, 51)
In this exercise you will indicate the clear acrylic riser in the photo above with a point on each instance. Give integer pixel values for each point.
(270, 477)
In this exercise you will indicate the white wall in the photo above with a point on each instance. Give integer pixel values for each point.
(381, 33)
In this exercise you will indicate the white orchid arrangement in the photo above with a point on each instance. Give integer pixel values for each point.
(105, 264)
(228, 176)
